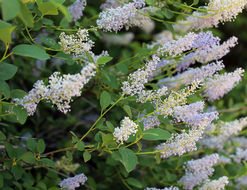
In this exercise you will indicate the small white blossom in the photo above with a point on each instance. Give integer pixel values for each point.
(76, 10)
(224, 160)
(60, 90)
(136, 80)
(217, 11)
(219, 85)
(166, 188)
(192, 114)
(241, 154)
(241, 182)
(150, 121)
(127, 128)
(177, 47)
(198, 170)
(116, 18)
(218, 184)
(193, 74)
(76, 44)
(73, 182)
(224, 131)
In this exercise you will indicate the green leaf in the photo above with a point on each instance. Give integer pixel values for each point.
(105, 100)
(18, 93)
(1, 181)
(31, 51)
(151, 2)
(4, 87)
(127, 109)
(7, 71)
(41, 146)
(90, 58)
(10, 150)
(110, 126)
(167, 13)
(158, 157)
(28, 157)
(10, 9)
(195, 2)
(108, 139)
(67, 57)
(156, 134)
(128, 159)
(62, 8)
(86, 156)
(80, 146)
(21, 114)
(25, 15)
(2, 136)
(169, 26)
(103, 60)
(32, 144)
(48, 162)
(135, 183)
(47, 8)
(5, 31)
(18, 171)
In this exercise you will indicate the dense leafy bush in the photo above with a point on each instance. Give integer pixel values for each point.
(122, 94)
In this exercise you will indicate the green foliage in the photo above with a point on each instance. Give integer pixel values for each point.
(103, 60)
(105, 100)
(128, 159)
(156, 134)
(10, 9)
(31, 51)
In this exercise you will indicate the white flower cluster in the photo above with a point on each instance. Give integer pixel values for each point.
(109, 4)
(151, 95)
(60, 90)
(210, 51)
(215, 51)
(205, 48)
(192, 114)
(149, 122)
(241, 182)
(73, 182)
(198, 170)
(127, 128)
(218, 184)
(76, 44)
(193, 74)
(76, 10)
(219, 85)
(179, 144)
(225, 131)
(136, 80)
(175, 98)
(116, 18)
(240, 155)
(215, 12)
(224, 160)
(166, 188)
(177, 47)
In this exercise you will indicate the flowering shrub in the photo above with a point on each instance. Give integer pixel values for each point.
(120, 94)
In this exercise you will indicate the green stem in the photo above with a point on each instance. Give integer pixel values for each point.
(102, 115)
